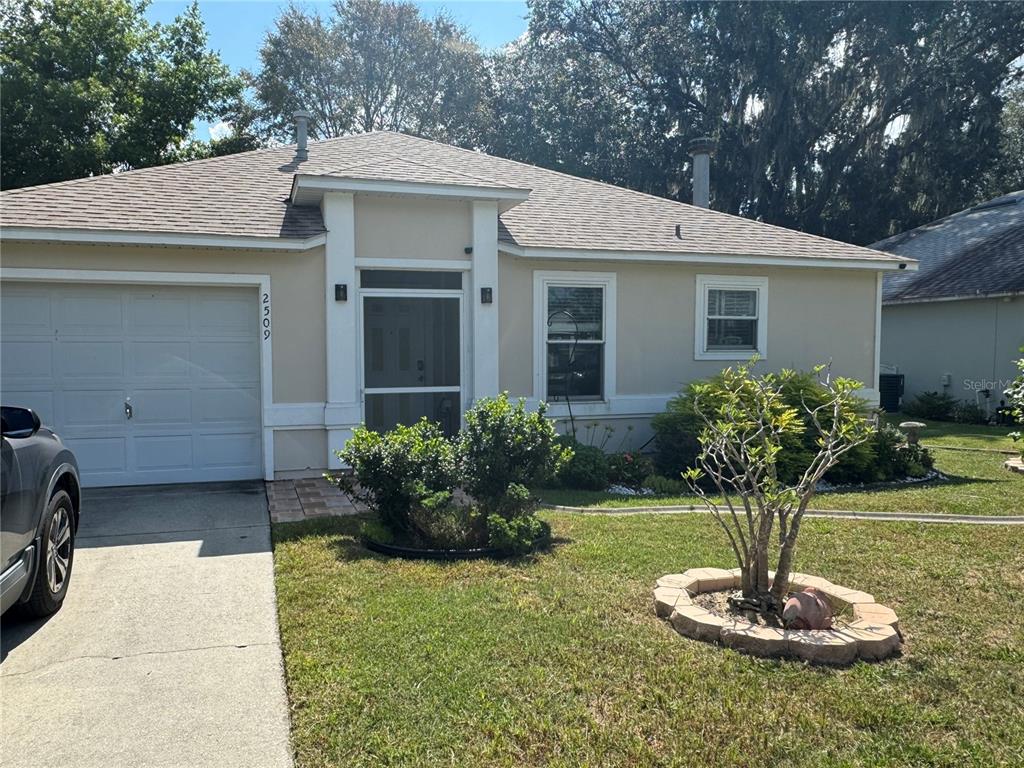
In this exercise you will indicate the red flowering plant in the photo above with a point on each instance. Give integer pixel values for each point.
(629, 469)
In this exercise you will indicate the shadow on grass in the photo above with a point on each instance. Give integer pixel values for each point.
(946, 480)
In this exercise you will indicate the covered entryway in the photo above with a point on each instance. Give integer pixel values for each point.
(412, 351)
(145, 383)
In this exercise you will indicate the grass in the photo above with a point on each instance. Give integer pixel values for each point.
(979, 485)
(560, 661)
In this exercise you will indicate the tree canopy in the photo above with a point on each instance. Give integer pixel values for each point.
(89, 86)
(853, 120)
(371, 66)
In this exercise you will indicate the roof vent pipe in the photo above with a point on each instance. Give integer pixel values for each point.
(301, 127)
(701, 149)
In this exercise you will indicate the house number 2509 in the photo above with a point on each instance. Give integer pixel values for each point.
(266, 316)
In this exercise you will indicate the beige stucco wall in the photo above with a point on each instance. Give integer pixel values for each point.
(396, 228)
(297, 450)
(974, 341)
(814, 315)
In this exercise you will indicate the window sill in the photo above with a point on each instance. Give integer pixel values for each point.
(739, 354)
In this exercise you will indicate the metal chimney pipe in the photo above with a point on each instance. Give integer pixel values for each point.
(700, 150)
(301, 128)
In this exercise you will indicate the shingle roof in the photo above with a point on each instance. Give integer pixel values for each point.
(975, 252)
(247, 195)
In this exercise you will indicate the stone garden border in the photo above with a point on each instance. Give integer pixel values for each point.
(1015, 465)
(874, 633)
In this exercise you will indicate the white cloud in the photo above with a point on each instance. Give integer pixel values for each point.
(220, 129)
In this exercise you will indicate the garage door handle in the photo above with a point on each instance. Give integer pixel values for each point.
(128, 411)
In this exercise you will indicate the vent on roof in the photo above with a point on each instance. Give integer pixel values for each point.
(301, 128)
(701, 149)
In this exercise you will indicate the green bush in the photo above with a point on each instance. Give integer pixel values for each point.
(444, 523)
(666, 486)
(503, 445)
(629, 469)
(397, 469)
(375, 530)
(896, 459)
(587, 469)
(519, 535)
(931, 405)
(677, 429)
(966, 412)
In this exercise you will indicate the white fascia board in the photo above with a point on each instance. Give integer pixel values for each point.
(507, 197)
(575, 254)
(167, 239)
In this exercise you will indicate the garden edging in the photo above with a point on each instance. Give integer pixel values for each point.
(840, 514)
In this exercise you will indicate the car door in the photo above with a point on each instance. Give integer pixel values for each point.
(17, 512)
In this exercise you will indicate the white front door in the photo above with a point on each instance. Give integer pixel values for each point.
(146, 384)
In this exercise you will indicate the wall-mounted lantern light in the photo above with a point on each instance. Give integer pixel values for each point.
(486, 296)
(340, 292)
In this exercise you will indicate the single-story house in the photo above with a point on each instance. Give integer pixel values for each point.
(957, 324)
(236, 317)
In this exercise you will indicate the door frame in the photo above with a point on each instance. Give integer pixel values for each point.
(198, 279)
(411, 293)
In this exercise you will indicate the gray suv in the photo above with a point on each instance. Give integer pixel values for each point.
(39, 509)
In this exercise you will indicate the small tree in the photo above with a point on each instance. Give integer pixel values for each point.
(744, 421)
(1015, 393)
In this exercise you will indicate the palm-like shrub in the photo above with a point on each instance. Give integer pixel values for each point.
(746, 421)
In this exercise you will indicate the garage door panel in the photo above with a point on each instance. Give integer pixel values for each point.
(227, 406)
(92, 359)
(26, 313)
(159, 359)
(239, 450)
(230, 361)
(155, 452)
(161, 407)
(186, 358)
(94, 407)
(100, 454)
(159, 314)
(224, 314)
(23, 361)
(91, 312)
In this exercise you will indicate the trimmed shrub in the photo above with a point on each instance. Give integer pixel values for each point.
(587, 469)
(519, 535)
(931, 405)
(503, 445)
(629, 469)
(392, 471)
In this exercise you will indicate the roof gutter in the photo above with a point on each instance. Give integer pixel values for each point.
(963, 297)
(887, 264)
(167, 239)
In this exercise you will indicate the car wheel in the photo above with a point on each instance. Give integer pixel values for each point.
(56, 556)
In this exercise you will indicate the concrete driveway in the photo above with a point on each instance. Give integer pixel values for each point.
(166, 651)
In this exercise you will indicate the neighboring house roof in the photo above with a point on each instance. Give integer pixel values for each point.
(973, 253)
(247, 195)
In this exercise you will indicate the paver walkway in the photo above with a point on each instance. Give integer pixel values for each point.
(166, 651)
(290, 501)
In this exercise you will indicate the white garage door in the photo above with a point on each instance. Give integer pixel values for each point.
(145, 384)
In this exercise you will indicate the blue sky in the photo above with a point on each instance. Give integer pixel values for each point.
(237, 27)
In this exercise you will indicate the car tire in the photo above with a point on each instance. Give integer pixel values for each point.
(56, 556)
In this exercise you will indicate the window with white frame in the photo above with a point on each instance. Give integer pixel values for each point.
(574, 335)
(731, 317)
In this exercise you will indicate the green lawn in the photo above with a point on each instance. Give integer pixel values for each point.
(960, 435)
(979, 485)
(560, 661)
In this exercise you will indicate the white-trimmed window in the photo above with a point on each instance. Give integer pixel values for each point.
(575, 336)
(732, 317)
